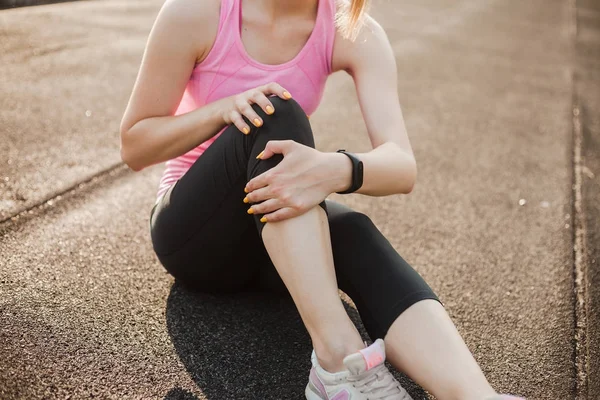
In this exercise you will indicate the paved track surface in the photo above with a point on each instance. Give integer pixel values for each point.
(67, 70)
(85, 308)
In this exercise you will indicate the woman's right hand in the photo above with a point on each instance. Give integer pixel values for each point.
(239, 106)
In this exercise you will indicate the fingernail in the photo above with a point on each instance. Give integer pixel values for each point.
(250, 211)
(257, 122)
(287, 95)
(246, 200)
(270, 110)
(260, 155)
(246, 190)
(246, 130)
(263, 220)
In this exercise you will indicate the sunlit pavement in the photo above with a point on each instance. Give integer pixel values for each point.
(488, 95)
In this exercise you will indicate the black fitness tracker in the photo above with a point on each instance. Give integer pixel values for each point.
(357, 172)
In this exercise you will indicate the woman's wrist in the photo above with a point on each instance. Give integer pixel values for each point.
(341, 172)
(208, 121)
(218, 111)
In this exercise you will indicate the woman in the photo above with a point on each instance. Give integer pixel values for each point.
(223, 95)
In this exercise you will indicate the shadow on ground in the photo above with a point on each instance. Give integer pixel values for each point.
(241, 346)
(180, 394)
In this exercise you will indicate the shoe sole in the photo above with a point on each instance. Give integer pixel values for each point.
(310, 395)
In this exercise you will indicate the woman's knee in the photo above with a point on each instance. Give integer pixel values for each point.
(288, 122)
(288, 108)
(350, 223)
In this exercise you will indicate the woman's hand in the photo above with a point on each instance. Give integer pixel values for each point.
(303, 179)
(241, 105)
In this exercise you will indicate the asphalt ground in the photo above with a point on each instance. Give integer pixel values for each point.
(87, 311)
(67, 70)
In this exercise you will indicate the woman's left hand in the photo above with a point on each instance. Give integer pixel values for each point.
(303, 179)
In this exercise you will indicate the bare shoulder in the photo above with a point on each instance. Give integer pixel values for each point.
(189, 13)
(191, 20)
(371, 45)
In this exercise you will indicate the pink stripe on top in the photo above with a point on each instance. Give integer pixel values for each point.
(229, 70)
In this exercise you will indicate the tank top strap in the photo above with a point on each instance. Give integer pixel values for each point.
(322, 39)
(326, 29)
(228, 20)
(225, 37)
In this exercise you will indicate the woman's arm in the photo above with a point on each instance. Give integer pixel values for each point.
(305, 176)
(389, 168)
(182, 33)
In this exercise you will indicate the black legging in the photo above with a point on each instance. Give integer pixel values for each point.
(204, 237)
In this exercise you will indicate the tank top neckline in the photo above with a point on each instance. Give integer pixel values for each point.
(237, 13)
(228, 70)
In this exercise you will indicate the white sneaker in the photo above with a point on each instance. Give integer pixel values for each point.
(367, 378)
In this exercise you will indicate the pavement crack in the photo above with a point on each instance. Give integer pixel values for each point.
(580, 262)
(49, 200)
(28, 3)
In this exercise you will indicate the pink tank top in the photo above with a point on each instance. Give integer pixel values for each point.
(229, 70)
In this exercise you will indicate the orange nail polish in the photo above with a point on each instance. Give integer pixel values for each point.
(250, 211)
(246, 130)
(246, 200)
(260, 155)
(263, 220)
(287, 95)
(257, 122)
(246, 190)
(270, 110)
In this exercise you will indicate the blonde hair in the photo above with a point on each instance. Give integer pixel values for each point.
(350, 17)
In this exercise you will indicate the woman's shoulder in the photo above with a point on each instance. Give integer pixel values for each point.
(370, 41)
(191, 20)
(196, 14)
(191, 11)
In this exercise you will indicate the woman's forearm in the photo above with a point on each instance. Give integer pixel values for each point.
(157, 139)
(387, 170)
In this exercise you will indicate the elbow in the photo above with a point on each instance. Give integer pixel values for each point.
(127, 155)
(129, 161)
(410, 178)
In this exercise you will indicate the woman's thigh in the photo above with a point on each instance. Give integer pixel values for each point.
(201, 231)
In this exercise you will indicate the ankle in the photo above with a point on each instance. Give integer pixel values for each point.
(331, 355)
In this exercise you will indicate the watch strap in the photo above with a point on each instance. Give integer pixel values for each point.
(357, 172)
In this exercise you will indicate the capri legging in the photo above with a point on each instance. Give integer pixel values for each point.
(204, 237)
